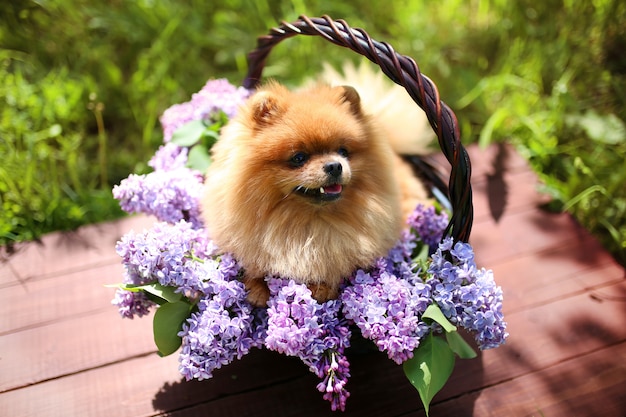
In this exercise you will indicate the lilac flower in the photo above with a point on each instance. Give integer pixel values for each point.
(216, 95)
(169, 157)
(170, 196)
(467, 296)
(387, 310)
(224, 328)
(131, 304)
(166, 254)
(214, 336)
(175, 117)
(332, 367)
(300, 326)
(334, 370)
(163, 254)
(427, 224)
(292, 324)
(481, 310)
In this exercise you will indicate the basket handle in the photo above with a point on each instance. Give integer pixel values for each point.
(402, 70)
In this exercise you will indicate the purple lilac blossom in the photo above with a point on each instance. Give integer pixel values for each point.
(427, 224)
(172, 191)
(163, 254)
(292, 324)
(169, 157)
(387, 310)
(224, 328)
(216, 95)
(131, 304)
(166, 253)
(300, 326)
(170, 196)
(468, 296)
(334, 370)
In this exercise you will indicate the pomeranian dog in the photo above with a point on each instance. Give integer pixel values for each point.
(305, 185)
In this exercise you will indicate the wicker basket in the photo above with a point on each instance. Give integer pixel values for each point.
(178, 317)
(402, 70)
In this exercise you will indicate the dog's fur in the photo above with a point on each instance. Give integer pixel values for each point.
(263, 200)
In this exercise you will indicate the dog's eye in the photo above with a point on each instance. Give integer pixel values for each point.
(298, 159)
(343, 152)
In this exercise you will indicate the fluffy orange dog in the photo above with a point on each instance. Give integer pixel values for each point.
(303, 185)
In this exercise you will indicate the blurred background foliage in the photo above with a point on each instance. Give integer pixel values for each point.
(83, 84)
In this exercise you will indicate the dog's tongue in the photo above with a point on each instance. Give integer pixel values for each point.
(332, 189)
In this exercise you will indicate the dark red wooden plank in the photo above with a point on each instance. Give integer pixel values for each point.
(70, 346)
(378, 389)
(123, 389)
(136, 387)
(63, 252)
(486, 160)
(589, 385)
(513, 193)
(523, 233)
(44, 301)
(540, 277)
(8, 276)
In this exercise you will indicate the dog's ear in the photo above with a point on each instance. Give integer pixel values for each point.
(350, 95)
(266, 108)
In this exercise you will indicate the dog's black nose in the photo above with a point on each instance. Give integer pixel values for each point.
(333, 169)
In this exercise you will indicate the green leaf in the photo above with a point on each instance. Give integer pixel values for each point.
(165, 292)
(434, 313)
(420, 253)
(168, 321)
(126, 287)
(429, 368)
(210, 138)
(198, 158)
(460, 346)
(496, 119)
(160, 292)
(189, 134)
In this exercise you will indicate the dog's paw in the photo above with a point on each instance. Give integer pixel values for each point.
(323, 292)
(258, 292)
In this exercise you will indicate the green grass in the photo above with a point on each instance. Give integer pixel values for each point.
(83, 85)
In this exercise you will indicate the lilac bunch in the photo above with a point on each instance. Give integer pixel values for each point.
(426, 225)
(224, 328)
(172, 191)
(166, 254)
(387, 309)
(387, 301)
(300, 326)
(216, 95)
(169, 157)
(468, 296)
(132, 304)
(170, 196)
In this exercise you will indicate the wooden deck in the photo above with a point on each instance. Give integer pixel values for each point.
(64, 351)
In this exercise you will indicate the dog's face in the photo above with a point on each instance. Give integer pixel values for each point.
(320, 178)
(309, 153)
(317, 169)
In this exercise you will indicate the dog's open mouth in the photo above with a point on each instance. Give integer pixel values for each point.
(330, 192)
